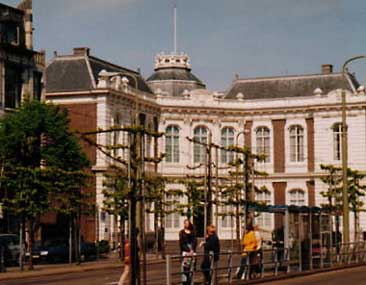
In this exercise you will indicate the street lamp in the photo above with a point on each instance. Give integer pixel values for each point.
(345, 154)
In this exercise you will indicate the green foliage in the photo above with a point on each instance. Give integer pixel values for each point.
(333, 179)
(116, 192)
(194, 194)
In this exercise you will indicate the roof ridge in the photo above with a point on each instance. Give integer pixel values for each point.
(287, 77)
(113, 65)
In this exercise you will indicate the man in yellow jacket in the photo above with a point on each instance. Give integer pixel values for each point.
(249, 243)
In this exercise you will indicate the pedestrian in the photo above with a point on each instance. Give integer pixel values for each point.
(187, 244)
(248, 255)
(127, 263)
(259, 254)
(210, 245)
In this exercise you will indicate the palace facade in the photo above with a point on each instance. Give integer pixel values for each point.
(294, 120)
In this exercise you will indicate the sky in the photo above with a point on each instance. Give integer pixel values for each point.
(251, 38)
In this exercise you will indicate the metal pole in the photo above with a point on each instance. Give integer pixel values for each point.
(345, 155)
(217, 189)
(168, 277)
(344, 171)
(209, 178)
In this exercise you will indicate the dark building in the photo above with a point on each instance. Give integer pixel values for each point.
(20, 66)
(21, 69)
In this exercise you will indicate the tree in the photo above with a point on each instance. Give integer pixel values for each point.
(240, 191)
(115, 201)
(35, 144)
(356, 190)
(333, 179)
(72, 200)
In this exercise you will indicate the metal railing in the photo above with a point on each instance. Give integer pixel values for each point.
(239, 267)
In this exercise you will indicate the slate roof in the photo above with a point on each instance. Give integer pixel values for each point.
(289, 86)
(71, 73)
(174, 74)
(174, 81)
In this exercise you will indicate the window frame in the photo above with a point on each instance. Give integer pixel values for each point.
(199, 151)
(263, 134)
(227, 139)
(296, 143)
(337, 141)
(297, 200)
(172, 154)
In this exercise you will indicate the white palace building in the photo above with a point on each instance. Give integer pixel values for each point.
(294, 120)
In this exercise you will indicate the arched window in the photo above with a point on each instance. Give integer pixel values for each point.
(297, 197)
(227, 139)
(200, 134)
(263, 142)
(264, 220)
(172, 144)
(296, 144)
(337, 141)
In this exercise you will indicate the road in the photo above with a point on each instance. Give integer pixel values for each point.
(96, 277)
(354, 276)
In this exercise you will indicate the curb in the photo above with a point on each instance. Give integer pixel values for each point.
(74, 269)
(300, 274)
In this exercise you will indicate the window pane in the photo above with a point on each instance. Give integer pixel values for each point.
(199, 151)
(172, 144)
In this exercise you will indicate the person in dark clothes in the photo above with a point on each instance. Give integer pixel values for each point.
(211, 244)
(187, 244)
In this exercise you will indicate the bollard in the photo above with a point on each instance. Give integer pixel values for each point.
(168, 275)
(230, 265)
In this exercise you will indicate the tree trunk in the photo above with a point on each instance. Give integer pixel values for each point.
(70, 238)
(21, 240)
(76, 241)
(355, 226)
(237, 225)
(122, 237)
(30, 243)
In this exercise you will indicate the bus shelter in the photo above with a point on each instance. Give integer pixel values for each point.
(305, 233)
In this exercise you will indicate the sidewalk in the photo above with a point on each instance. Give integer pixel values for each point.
(110, 262)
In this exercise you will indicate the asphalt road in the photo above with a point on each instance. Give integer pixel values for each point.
(354, 276)
(96, 277)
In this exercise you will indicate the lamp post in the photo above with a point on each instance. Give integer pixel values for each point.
(136, 212)
(345, 154)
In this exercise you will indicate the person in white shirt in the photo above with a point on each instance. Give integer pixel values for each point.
(258, 237)
(259, 240)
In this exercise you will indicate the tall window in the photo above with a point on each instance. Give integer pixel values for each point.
(227, 220)
(172, 218)
(264, 220)
(116, 135)
(263, 142)
(337, 141)
(172, 144)
(296, 143)
(200, 134)
(227, 139)
(297, 197)
(13, 86)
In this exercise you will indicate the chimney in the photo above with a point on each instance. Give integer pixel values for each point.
(26, 7)
(327, 68)
(82, 51)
